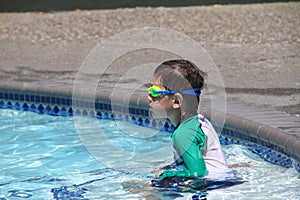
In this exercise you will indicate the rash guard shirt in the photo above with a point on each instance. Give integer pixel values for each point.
(197, 144)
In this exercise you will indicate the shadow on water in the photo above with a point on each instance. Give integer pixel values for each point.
(192, 185)
(58, 5)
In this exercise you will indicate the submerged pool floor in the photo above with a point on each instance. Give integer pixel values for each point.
(43, 157)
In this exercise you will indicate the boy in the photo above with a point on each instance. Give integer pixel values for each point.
(175, 94)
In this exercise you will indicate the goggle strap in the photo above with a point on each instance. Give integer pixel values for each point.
(195, 91)
(168, 92)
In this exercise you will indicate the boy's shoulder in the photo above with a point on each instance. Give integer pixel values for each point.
(190, 121)
(190, 124)
(198, 122)
(198, 119)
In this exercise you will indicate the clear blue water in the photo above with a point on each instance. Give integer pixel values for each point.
(43, 157)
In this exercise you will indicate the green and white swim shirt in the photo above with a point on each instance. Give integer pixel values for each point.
(197, 144)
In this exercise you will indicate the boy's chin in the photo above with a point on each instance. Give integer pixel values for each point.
(156, 115)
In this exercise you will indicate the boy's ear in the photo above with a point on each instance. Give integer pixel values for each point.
(177, 101)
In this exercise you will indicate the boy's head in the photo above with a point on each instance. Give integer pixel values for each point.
(178, 76)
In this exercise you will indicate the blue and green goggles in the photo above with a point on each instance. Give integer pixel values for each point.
(157, 91)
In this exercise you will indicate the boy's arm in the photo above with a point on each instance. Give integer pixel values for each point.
(189, 144)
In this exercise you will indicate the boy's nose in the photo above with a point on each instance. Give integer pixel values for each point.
(150, 99)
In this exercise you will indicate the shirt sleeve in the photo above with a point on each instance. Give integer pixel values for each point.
(189, 142)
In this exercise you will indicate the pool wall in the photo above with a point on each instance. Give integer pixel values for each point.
(273, 145)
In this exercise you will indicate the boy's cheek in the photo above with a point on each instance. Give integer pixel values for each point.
(158, 111)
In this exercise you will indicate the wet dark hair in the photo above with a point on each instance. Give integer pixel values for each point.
(179, 75)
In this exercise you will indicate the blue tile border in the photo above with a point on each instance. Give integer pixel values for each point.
(267, 152)
(63, 105)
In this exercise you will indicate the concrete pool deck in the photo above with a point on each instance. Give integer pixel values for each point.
(256, 48)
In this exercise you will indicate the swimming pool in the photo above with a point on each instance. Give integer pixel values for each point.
(42, 157)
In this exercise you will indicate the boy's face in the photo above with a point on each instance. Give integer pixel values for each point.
(162, 106)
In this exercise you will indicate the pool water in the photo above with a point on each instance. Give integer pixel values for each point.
(43, 157)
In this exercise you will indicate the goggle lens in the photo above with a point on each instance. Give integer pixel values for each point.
(155, 91)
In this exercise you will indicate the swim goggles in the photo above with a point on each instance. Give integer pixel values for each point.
(157, 91)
